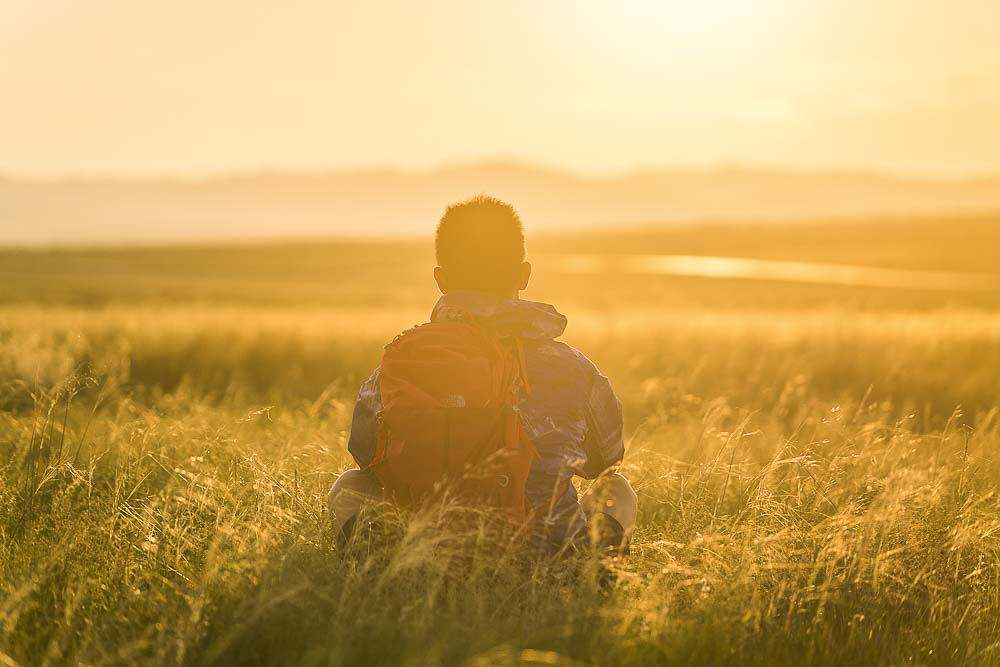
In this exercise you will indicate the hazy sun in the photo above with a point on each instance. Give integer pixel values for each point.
(686, 16)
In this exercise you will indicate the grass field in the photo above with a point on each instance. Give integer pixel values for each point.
(817, 466)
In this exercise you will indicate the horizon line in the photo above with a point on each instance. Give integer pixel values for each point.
(719, 167)
(213, 242)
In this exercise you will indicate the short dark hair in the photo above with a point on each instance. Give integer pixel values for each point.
(480, 244)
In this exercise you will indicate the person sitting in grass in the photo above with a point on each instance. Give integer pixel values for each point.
(485, 400)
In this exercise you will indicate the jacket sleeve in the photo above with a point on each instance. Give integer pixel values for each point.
(603, 441)
(364, 424)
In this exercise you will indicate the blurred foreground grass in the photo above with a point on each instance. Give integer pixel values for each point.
(817, 471)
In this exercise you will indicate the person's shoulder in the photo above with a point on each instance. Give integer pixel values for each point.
(370, 387)
(569, 355)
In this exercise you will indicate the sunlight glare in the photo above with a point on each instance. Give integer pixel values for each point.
(684, 16)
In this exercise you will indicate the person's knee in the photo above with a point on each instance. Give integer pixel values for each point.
(349, 493)
(613, 495)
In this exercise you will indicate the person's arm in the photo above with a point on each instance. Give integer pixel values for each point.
(364, 425)
(603, 441)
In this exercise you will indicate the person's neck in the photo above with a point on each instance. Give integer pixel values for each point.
(516, 294)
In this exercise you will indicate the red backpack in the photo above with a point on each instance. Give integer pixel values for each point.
(450, 420)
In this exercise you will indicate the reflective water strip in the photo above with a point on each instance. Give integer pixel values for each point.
(764, 269)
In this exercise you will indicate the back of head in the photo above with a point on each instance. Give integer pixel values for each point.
(480, 245)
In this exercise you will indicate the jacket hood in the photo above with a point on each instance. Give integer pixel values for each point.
(506, 317)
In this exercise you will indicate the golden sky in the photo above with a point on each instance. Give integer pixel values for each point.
(191, 87)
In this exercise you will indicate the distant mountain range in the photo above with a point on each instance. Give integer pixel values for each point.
(393, 203)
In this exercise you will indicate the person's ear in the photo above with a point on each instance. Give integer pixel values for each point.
(441, 279)
(524, 276)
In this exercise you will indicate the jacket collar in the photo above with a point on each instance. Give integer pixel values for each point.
(506, 317)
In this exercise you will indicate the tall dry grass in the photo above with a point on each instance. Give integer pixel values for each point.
(809, 494)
